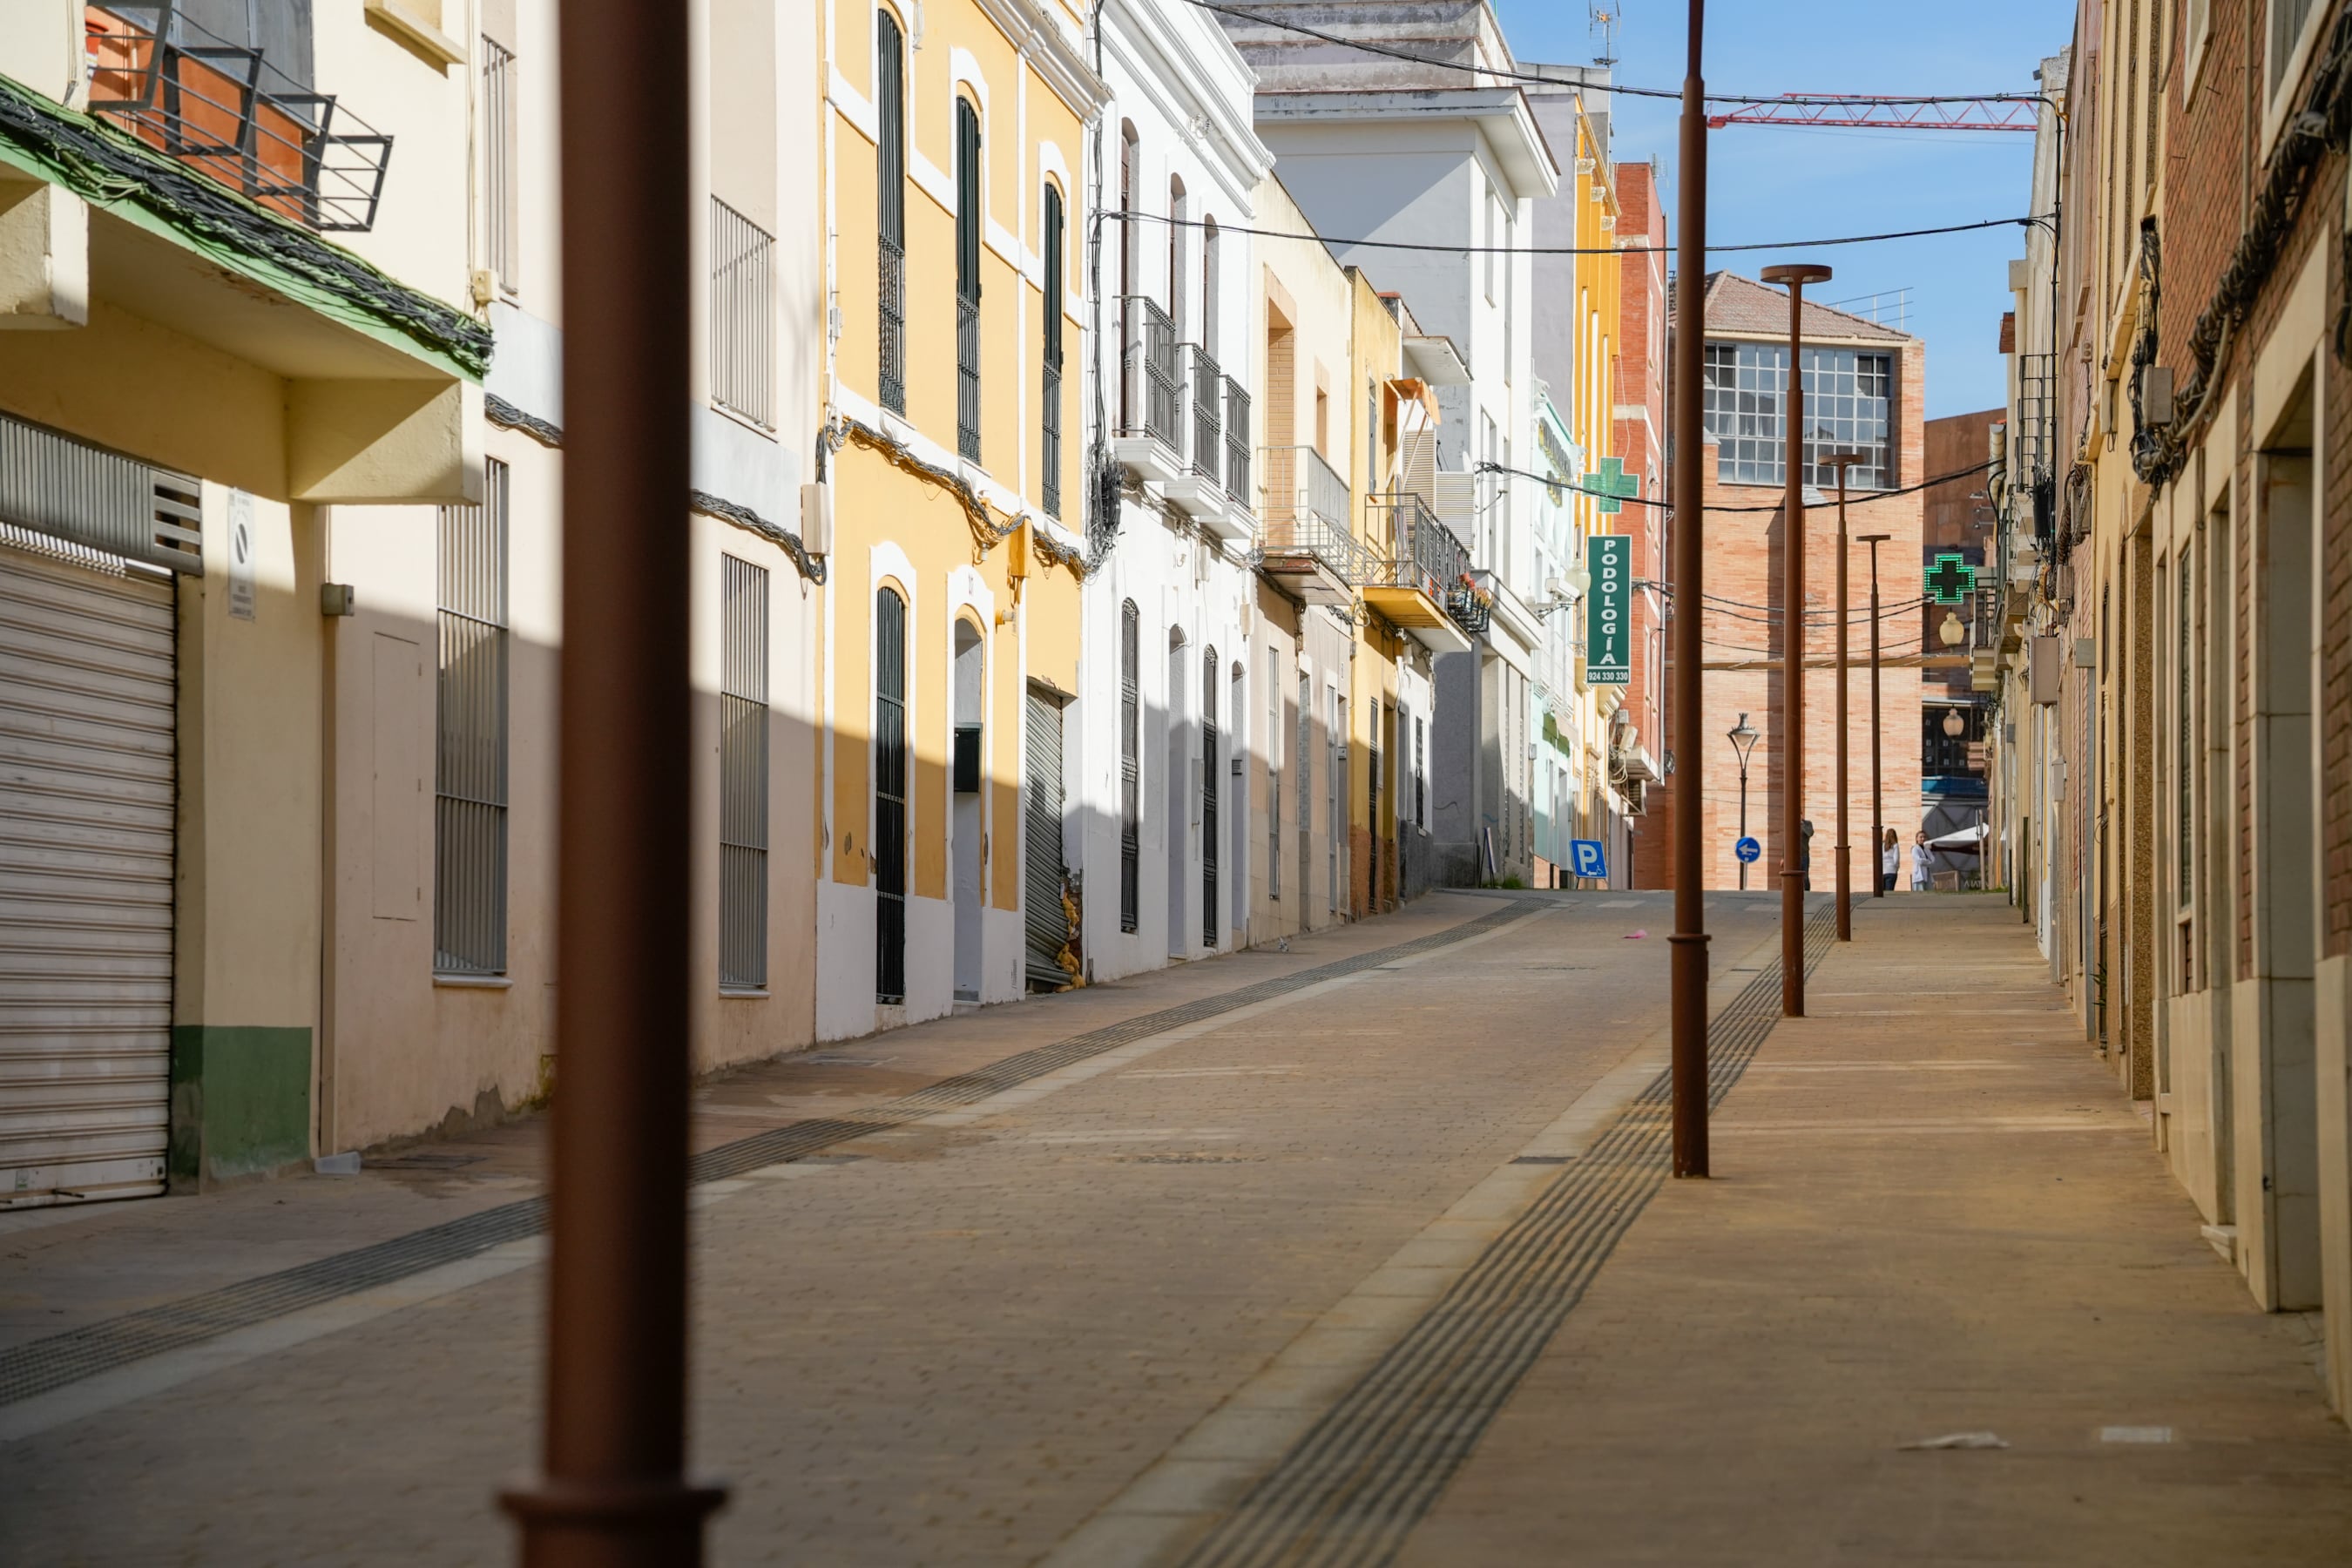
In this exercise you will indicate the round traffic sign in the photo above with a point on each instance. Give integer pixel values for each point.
(1748, 851)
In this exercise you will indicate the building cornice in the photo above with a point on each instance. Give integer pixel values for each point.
(1057, 55)
(1501, 113)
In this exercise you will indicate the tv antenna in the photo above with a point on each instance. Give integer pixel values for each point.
(1601, 22)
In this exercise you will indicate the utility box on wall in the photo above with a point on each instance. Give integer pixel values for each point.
(2046, 660)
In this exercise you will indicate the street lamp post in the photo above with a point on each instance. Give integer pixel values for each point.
(1877, 805)
(611, 1489)
(1743, 737)
(1842, 461)
(1796, 275)
(1688, 944)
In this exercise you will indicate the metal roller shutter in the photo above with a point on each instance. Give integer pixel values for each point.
(87, 792)
(1041, 841)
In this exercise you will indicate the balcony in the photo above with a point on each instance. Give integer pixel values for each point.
(1199, 490)
(1237, 448)
(225, 112)
(1415, 588)
(1147, 438)
(1306, 547)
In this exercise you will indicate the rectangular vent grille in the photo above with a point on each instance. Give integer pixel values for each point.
(53, 484)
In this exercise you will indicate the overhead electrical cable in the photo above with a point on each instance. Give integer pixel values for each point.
(1390, 51)
(1855, 497)
(1566, 249)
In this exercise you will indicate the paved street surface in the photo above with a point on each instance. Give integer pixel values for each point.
(1379, 1265)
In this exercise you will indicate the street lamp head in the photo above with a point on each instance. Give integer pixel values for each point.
(1743, 737)
(1797, 272)
(1871, 538)
(1842, 461)
(1951, 633)
(1954, 726)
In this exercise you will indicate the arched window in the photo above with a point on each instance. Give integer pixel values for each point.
(968, 209)
(1050, 408)
(889, 847)
(890, 189)
(1130, 765)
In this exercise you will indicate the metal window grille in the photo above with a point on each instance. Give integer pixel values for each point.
(1419, 771)
(469, 771)
(891, 185)
(1050, 408)
(742, 316)
(1130, 766)
(1372, 804)
(968, 205)
(889, 847)
(1849, 405)
(1334, 751)
(500, 195)
(1209, 798)
(231, 112)
(743, 775)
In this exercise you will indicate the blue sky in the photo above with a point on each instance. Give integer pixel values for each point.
(1772, 184)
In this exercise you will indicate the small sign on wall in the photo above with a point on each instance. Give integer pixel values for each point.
(242, 546)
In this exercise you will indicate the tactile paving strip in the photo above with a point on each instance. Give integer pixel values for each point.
(43, 1364)
(1348, 1492)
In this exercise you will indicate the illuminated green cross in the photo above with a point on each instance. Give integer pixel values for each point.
(1612, 484)
(1952, 579)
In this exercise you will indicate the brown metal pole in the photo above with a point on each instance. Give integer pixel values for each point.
(1687, 946)
(1841, 462)
(1877, 807)
(611, 1492)
(1793, 855)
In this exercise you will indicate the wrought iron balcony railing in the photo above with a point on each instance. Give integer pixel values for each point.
(1147, 397)
(1426, 556)
(1305, 515)
(892, 310)
(1237, 442)
(968, 378)
(1205, 385)
(228, 113)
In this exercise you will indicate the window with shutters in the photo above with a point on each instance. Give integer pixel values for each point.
(1050, 408)
(889, 851)
(967, 258)
(890, 188)
(742, 775)
(470, 790)
(1130, 766)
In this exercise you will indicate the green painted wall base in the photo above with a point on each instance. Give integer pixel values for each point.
(240, 1101)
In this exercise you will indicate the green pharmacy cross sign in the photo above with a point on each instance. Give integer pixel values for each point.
(1612, 484)
(1952, 579)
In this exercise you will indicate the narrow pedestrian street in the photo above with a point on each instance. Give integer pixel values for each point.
(1357, 1252)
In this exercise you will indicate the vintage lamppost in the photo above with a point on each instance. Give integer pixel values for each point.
(1842, 462)
(1743, 737)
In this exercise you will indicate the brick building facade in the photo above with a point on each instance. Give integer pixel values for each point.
(1743, 634)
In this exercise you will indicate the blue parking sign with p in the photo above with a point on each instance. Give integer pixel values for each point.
(1586, 857)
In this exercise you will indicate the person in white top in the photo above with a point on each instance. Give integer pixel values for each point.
(1889, 862)
(1922, 860)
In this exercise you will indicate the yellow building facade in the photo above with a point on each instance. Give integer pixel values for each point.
(954, 143)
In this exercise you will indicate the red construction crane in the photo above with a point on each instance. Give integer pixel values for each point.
(1853, 109)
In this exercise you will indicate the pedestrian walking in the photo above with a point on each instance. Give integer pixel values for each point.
(1805, 851)
(1923, 861)
(1889, 859)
